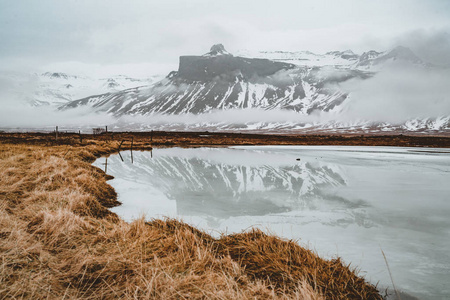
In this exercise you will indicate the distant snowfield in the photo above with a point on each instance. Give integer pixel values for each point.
(345, 201)
(257, 121)
(306, 58)
(427, 126)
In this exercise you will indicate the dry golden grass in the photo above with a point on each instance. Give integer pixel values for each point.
(59, 240)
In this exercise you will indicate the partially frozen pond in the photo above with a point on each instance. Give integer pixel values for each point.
(345, 201)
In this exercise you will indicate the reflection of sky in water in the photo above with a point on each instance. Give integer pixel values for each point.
(346, 201)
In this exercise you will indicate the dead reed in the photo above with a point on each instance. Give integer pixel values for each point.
(58, 239)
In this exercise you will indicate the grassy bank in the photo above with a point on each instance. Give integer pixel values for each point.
(58, 239)
(192, 139)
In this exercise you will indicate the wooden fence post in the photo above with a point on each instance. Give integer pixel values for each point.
(132, 139)
(121, 144)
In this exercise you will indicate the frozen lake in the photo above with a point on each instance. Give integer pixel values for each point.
(340, 201)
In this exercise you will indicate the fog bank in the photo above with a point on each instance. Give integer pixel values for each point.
(399, 92)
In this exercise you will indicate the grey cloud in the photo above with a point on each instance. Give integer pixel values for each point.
(232, 116)
(430, 44)
(398, 93)
(116, 32)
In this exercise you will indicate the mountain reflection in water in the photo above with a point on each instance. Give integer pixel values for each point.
(207, 183)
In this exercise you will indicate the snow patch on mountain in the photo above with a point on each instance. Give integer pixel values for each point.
(58, 88)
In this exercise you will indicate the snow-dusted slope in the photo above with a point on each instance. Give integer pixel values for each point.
(57, 88)
(306, 58)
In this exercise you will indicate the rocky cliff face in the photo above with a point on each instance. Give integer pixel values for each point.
(219, 63)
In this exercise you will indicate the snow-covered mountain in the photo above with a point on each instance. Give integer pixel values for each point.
(219, 80)
(57, 88)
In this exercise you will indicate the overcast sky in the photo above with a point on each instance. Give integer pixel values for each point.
(147, 37)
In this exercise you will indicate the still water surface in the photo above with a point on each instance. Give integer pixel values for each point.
(340, 201)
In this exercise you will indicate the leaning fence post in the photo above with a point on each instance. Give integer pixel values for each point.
(121, 144)
(56, 133)
(132, 138)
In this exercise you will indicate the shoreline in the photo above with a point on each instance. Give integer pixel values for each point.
(194, 139)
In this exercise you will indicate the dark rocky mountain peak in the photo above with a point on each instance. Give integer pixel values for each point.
(219, 63)
(217, 49)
